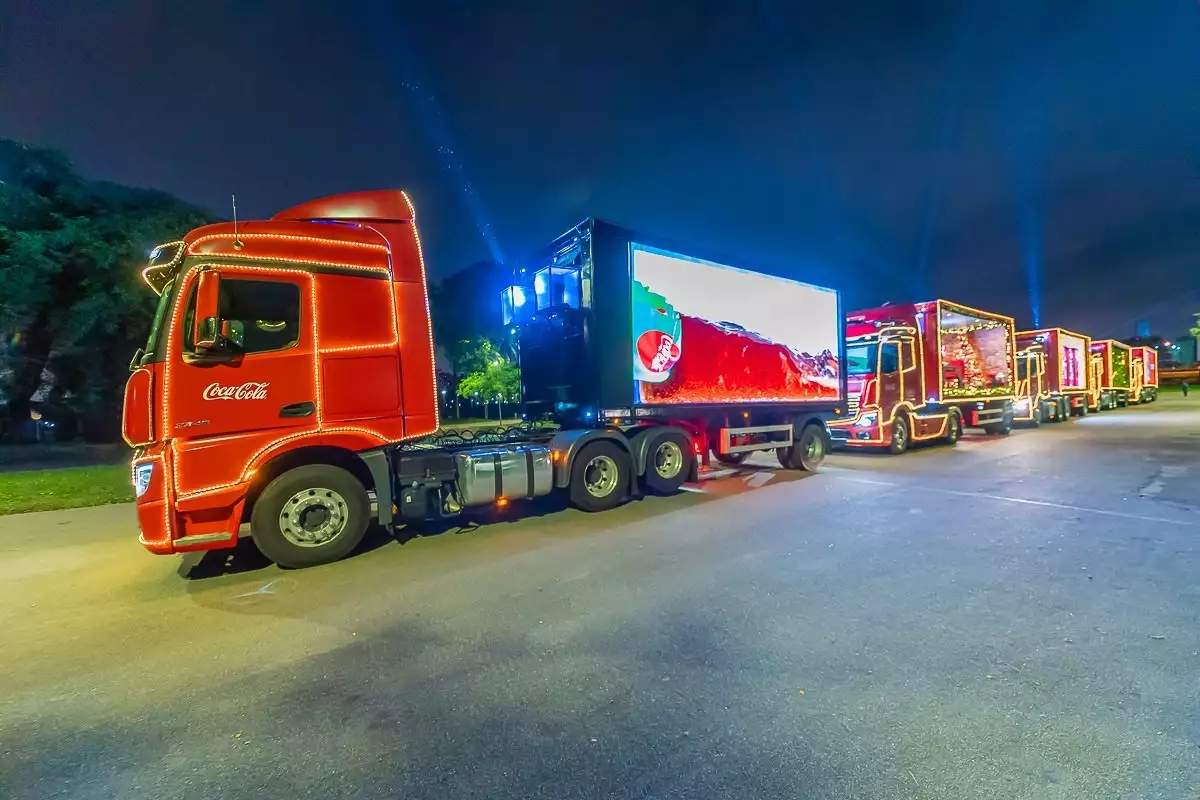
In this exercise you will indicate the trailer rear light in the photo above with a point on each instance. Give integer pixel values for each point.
(141, 478)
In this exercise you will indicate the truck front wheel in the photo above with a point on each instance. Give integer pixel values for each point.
(600, 476)
(954, 428)
(901, 438)
(310, 515)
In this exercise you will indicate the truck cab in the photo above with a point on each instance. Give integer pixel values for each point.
(300, 340)
(886, 390)
(1035, 402)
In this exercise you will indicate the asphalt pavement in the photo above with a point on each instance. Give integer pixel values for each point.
(1011, 618)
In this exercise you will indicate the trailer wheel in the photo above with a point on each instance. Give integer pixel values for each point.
(600, 476)
(310, 515)
(807, 451)
(954, 428)
(730, 459)
(667, 463)
(901, 435)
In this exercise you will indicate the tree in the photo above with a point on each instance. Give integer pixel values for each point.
(74, 307)
(498, 381)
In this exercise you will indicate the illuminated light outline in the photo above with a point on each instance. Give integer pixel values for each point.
(437, 411)
(179, 256)
(149, 413)
(292, 237)
(1037, 353)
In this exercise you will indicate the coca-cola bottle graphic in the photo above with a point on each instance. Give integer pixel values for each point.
(657, 335)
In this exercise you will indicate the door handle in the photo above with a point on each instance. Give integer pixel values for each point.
(306, 409)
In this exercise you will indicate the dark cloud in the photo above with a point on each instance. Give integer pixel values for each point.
(894, 149)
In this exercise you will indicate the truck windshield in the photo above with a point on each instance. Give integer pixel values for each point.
(160, 316)
(861, 359)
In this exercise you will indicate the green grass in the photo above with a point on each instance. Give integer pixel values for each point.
(70, 487)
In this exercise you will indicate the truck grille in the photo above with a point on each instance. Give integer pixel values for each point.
(852, 405)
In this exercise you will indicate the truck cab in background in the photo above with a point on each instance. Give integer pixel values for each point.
(922, 372)
(1111, 365)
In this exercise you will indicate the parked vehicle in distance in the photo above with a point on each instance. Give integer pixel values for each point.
(1143, 374)
(1109, 374)
(1052, 375)
(921, 372)
(288, 379)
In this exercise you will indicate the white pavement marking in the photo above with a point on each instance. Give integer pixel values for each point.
(1024, 501)
(696, 489)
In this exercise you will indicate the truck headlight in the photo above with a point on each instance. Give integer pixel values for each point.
(141, 478)
(866, 420)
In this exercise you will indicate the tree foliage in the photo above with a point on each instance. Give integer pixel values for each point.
(497, 380)
(74, 308)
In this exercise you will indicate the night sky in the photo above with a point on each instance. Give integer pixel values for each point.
(1003, 153)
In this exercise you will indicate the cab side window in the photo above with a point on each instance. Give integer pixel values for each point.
(889, 358)
(266, 312)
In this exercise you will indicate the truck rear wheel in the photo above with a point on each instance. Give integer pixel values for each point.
(667, 463)
(310, 515)
(730, 459)
(600, 476)
(807, 451)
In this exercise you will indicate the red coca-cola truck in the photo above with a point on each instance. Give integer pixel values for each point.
(1110, 371)
(921, 372)
(1143, 377)
(1052, 375)
(288, 380)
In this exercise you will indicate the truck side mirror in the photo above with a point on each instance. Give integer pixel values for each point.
(207, 330)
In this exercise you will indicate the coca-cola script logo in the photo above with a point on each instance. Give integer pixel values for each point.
(247, 391)
(657, 350)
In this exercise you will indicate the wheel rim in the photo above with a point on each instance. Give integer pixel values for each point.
(955, 428)
(899, 435)
(600, 476)
(313, 517)
(814, 450)
(668, 459)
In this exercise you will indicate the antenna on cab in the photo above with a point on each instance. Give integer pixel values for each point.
(237, 242)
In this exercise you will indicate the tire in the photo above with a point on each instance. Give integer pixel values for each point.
(323, 504)
(901, 435)
(730, 459)
(1036, 417)
(1083, 408)
(667, 463)
(600, 476)
(807, 451)
(1064, 409)
(954, 428)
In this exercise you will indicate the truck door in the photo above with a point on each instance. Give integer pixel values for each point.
(889, 378)
(224, 408)
(912, 390)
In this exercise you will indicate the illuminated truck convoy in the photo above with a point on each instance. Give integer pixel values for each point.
(921, 372)
(1110, 364)
(1143, 377)
(1052, 375)
(288, 380)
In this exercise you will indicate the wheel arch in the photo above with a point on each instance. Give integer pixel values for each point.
(356, 464)
(565, 447)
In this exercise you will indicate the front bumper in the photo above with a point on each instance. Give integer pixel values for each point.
(168, 524)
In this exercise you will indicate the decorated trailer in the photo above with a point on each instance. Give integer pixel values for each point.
(921, 372)
(1143, 374)
(1110, 366)
(1052, 375)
